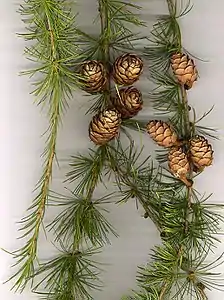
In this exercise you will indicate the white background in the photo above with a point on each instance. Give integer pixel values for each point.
(22, 125)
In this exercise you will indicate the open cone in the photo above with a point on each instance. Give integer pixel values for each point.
(127, 69)
(128, 102)
(184, 69)
(104, 126)
(201, 152)
(94, 76)
(179, 164)
(162, 133)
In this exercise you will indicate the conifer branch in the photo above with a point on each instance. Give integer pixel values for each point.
(187, 238)
(134, 179)
(104, 50)
(172, 11)
(81, 222)
(50, 27)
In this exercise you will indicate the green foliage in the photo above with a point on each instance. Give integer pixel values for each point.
(198, 231)
(120, 16)
(167, 96)
(57, 49)
(163, 268)
(203, 130)
(143, 294)
(189, 226)
(167, 88)
(166, 36)
(176, 275)
(115, 19)
(70, 275)
(50, 28)
(135, 124)
(81, 219)
(135, 178)
(87, 169)
(97, 103)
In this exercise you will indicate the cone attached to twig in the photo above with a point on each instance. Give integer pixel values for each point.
(127, 69)
(201, 152)
(162, 133)
(128, 102)
(184, 69)
(95, 76)
(179, 164)
(104, 126)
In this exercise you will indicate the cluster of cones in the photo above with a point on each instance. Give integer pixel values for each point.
(184, 156)
(196, 152)
(126, 70)
(127, 102)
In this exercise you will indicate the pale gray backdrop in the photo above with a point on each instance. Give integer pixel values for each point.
(22, 124)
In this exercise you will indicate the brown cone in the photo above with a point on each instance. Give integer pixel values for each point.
(201, 152)
(104, 126)
(95, 76)
(179, 164)
(128, 102)
(162, 133)
(184, 69)
(127, 69)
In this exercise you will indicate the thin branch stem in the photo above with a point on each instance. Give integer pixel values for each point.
(187, 126)
(52, 143)
(122, 174)
(53, 139)
(172, 6)
(44, 194)
(163, 291)
(202, 293)
(104, 22)
(52, 40)
(105, 33)
(189, 188)
(52, 89)
(186, 112)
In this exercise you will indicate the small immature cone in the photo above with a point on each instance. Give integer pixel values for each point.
(162, 133)
(127, 69)
(179, 164)
(95, 76)
(128, 102)
(201, 152)
(104, 126)
(184, 69)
